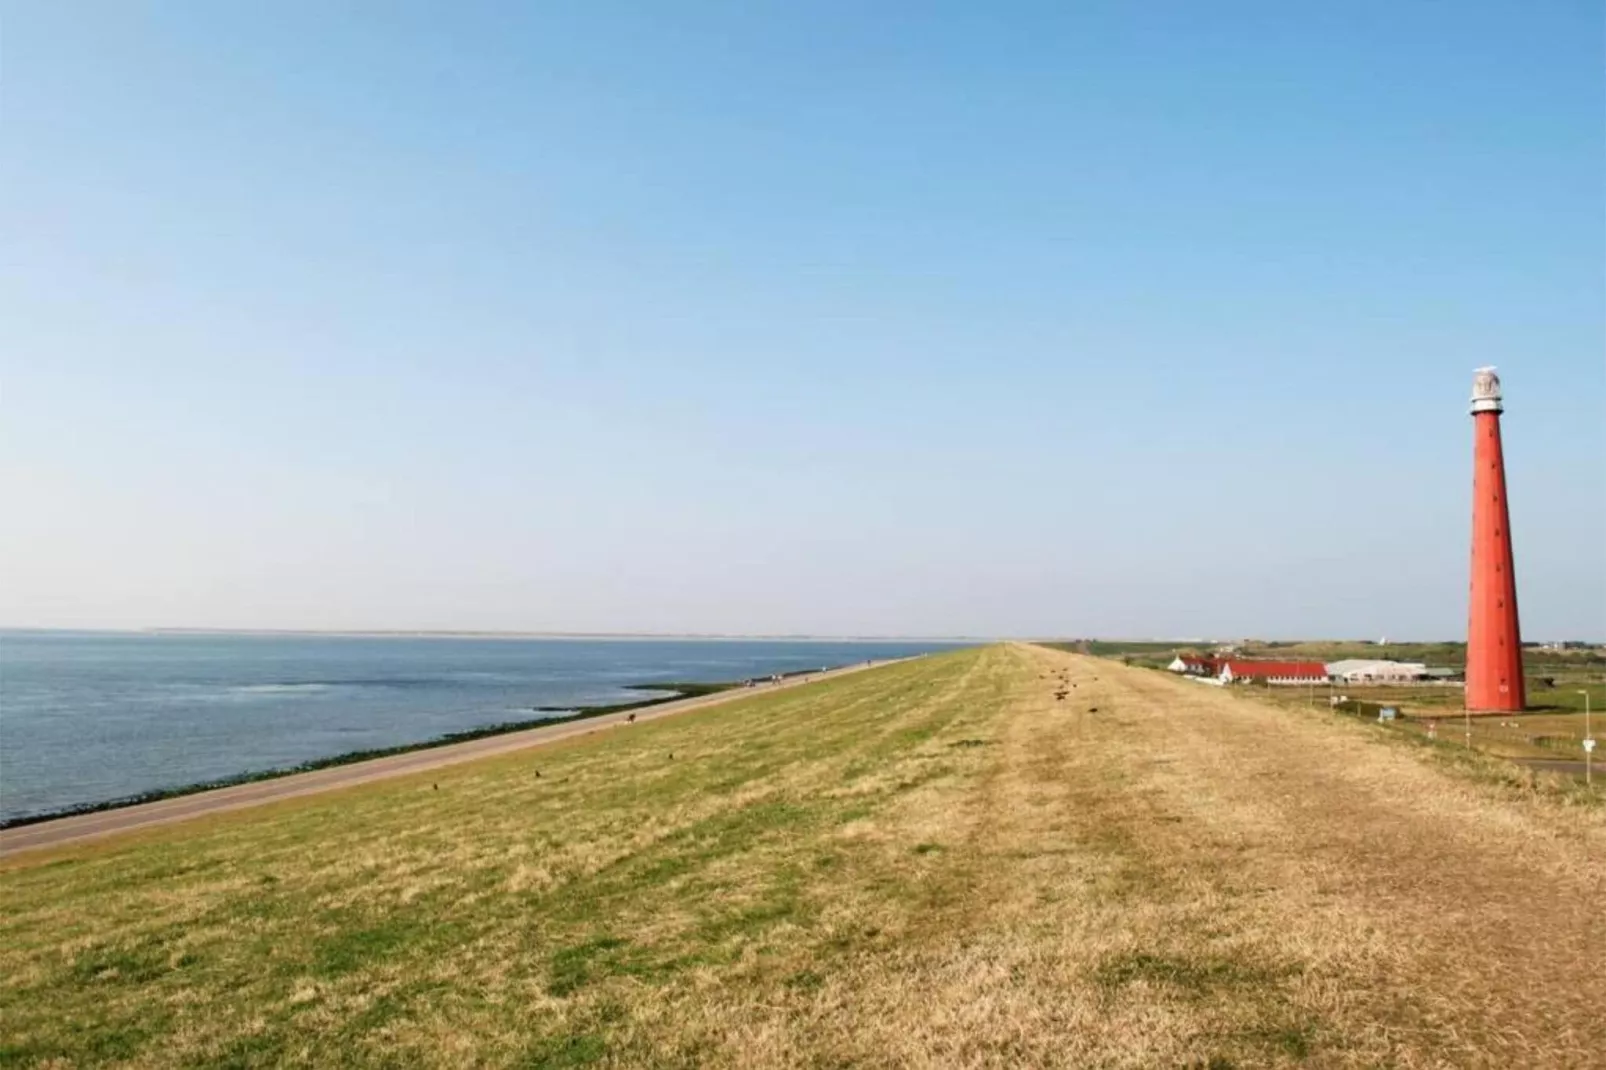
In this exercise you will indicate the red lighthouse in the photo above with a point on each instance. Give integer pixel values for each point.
(1494, 643)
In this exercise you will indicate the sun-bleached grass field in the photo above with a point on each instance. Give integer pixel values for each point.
(1008, 856)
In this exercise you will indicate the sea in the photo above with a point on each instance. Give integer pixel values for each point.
(87, 718)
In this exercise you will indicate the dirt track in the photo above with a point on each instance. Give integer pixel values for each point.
(164, 811)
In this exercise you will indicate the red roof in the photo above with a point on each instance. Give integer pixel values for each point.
(1303, 670)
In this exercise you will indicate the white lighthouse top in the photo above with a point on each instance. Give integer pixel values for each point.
(1486, 391)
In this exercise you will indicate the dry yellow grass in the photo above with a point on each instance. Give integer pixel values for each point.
(938, 864)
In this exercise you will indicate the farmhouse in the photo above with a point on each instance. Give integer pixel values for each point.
(1228, 670)
(1236, 670)
(1195, 665)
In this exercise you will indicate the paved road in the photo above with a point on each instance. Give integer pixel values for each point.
(107, 822)
(1561, 765)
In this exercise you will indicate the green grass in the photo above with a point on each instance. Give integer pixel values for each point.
(1444, 654)
(666, 692)
(620, 866)
(1552, 727)
(1588, 664)
(1144, 653)
(933, 863)
(1432, 723)
(1191, 975)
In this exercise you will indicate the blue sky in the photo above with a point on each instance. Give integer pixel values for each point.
(1121, 319)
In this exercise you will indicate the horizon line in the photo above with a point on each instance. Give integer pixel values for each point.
(446, 633)
(475, 633)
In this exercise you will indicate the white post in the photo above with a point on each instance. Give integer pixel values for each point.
(1589, 743)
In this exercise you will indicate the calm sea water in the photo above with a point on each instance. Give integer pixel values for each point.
(87, 718)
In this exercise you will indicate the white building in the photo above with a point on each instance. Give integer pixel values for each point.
(1192, 665)
(1365, 671)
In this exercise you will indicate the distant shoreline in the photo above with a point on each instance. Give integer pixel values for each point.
(381, 633)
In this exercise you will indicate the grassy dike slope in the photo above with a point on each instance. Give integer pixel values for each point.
(934, 864)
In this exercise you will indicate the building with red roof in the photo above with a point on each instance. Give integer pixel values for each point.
(1242, 670)
(1195, 665)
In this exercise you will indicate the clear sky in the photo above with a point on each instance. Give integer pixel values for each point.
(1019, 318)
